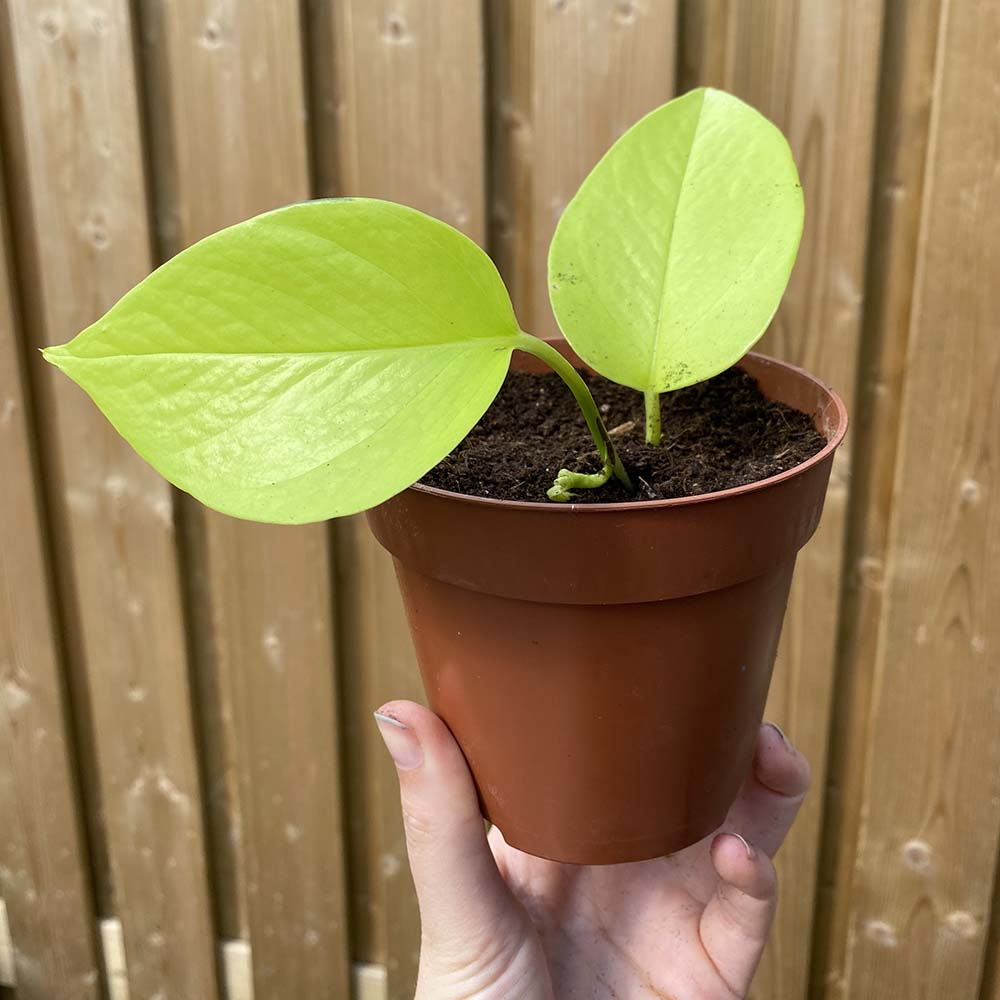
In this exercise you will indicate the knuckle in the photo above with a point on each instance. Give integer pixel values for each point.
(419, 822)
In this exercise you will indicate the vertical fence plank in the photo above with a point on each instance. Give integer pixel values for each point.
(362, 621)
(926, 844)
(813, 69)
(43, 861)
(226, 111)
(568, 79)
(399, 86)
(80, 216)
(990, 989)
(380, 664)
(906, 92)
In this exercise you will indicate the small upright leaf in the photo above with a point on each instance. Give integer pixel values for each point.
(305, 364)
(670, 261)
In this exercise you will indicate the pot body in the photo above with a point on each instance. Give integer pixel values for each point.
(604, 667)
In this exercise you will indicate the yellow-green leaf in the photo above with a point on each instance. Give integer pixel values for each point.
(307, 363)
(670, 261)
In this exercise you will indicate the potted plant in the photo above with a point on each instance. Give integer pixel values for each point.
(321, 359)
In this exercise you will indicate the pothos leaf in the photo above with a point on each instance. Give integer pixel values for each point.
(670, 261)
(305, 364)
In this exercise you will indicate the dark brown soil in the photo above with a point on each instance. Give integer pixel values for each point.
(718, 434)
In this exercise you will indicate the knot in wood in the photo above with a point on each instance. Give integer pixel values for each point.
(962, 924)
(211, 34)
(917, 855)
(50, 24)
(394, 30)
(882, 933)
(971, 491)
(625, 11)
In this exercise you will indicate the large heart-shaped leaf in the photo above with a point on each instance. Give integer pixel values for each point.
(671, 259)
(308, 363)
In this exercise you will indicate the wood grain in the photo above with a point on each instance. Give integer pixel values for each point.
(927, 838)
(79, 202)
(568, 78)
(813, 69)
(226, 109)
(43, 862)
(486, 115)
(905, 98)
(399, 86)
(376, 648)
(990, 988)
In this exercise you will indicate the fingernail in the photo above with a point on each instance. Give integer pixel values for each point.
(400, 741)
(751, 853)
(780, 732)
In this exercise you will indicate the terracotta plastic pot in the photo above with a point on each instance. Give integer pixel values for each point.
(604, 667)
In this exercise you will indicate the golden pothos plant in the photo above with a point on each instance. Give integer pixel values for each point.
(315, 360)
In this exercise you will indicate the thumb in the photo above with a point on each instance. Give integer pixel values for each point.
(736, 920)
(463, 900)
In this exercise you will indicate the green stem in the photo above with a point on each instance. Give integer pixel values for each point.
(605, 446)
(567, 481)
(652, 416)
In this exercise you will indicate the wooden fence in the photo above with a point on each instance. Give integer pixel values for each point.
(193, 800)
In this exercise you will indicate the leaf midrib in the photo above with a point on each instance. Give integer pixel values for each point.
(654, 354)
(508, 341)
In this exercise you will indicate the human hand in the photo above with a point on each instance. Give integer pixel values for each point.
(498, 924)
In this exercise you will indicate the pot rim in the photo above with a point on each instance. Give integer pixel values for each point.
(839, 430)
